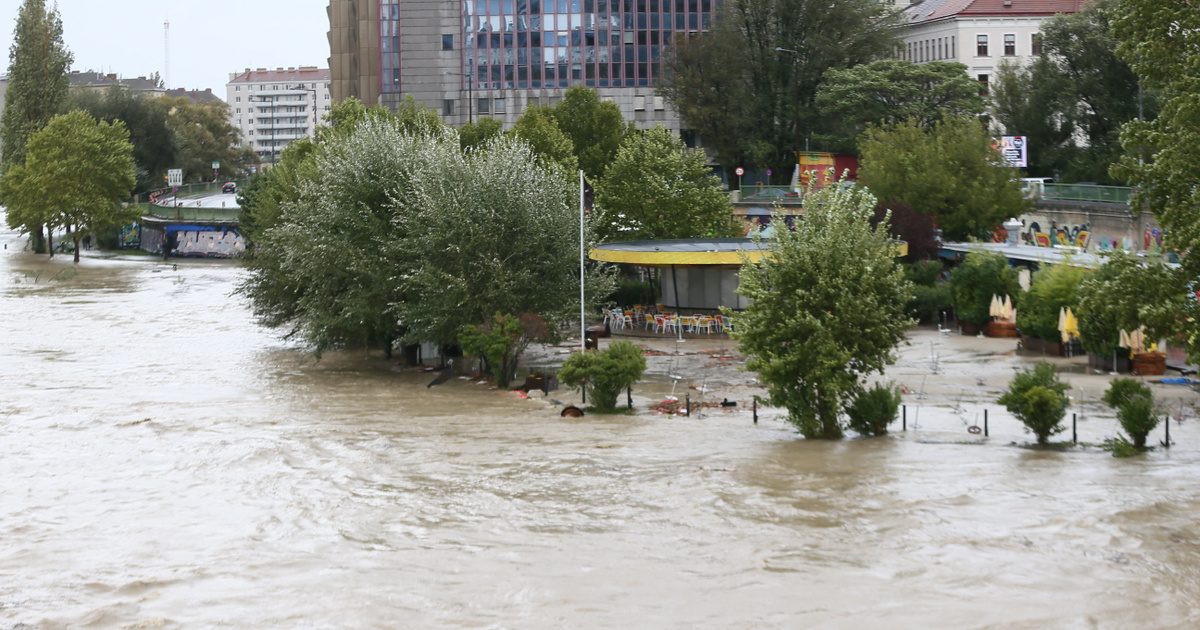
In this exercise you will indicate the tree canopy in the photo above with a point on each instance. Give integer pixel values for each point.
(536, 128)
(154, 147)
(657, 188)
(748, 86)
(38, 63)
(478, 133)
(76, 173)
(595, 128)
(397, 235)
(950, 172)
(827, 309)
(204, 135)
(1073, 99)
(891, 91)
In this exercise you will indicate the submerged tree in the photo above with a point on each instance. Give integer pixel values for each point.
(76, 173)
(828, 309)
(37, 90)
(399, 235)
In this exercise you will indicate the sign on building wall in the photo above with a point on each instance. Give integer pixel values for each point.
(1015, 150)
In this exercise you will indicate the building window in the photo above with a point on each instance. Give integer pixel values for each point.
(659, 104)
(1035, 41)
(981, 45)
(237, 88)
(954, 46)
(983, 84)
(238, 99)
(484, 105)
(498, 106)
(639, 103)
(448, 42)
(1010, 45)
(448, 107)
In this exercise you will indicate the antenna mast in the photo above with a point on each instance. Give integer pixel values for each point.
(167, 54)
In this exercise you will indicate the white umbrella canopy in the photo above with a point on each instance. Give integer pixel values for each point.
(1008, 313)
(994, 309)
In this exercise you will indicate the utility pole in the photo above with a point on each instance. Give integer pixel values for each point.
(167, 54)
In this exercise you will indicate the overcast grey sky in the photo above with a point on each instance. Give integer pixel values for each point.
(209, 38)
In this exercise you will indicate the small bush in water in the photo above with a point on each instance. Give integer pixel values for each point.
(873, 410)
(604, 374)
(1039, 400)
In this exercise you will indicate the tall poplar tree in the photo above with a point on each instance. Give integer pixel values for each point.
(37, 86)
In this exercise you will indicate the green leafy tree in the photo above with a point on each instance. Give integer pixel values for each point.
(872, 410)
(1072, 101)
(536, 128)
(748, 86)
(892, 91)
(980, 277)
(1126, 293)
(38, 62)
(501, 342)
(1138, 418)
(604, 374)
(827, 309)
(154, 150)
(1134, 403)
(657, 188)
(400, 236)
(478, 133)
(78, 170)
(1054, 288)
(1039, 400)
(492, 231)
(949, 172)
(203, 135)
(1161, 42)
(595, 128)
(1029, 100)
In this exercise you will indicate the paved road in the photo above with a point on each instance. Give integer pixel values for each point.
(209, 201)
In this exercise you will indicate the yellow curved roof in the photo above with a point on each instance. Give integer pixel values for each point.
(700, 252)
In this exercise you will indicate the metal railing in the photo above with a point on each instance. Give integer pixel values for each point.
(184, 213)
(1086, 192)
(782, 194)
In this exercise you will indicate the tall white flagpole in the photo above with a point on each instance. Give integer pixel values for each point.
(582, 317)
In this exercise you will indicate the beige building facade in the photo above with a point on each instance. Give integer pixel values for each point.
(274, 108)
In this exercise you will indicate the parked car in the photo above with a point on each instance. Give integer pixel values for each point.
(229, 188)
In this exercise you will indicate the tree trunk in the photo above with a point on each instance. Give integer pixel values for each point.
(37, 239)
(75, 238)
(50, 241)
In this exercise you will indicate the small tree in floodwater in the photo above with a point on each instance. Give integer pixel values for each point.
(827, 308)
(1039, 400)
(501, 342)
(604, 374)
(872, 410)
(1134, 404)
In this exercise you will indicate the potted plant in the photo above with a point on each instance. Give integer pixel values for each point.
(980, 277)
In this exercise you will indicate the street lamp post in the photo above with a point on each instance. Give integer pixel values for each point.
(312, 91)
(470, 79)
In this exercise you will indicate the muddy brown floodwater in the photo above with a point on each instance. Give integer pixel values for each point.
(166, 463)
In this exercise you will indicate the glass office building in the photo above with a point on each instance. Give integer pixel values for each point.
(523, 44)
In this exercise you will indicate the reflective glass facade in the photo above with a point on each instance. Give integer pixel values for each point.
(389, 46)
(519, 44)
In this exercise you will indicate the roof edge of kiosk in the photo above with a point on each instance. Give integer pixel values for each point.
(721, 251)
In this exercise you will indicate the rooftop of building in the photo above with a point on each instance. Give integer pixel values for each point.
(93, 79)
(196, 96)
(264, 75)
(930, 10)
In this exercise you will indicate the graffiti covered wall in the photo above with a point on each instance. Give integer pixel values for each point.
(1090, 232)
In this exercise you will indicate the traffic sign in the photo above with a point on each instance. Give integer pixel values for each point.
(175, 177)
(739, 171)
(216, 165)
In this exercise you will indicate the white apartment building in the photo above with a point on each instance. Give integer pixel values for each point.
(274, 108)
(980, 34)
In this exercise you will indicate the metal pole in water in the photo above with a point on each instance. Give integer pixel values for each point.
(904, 418)
(754, 409)
(629, 396)
(1168, 423)
(985, 422)
(582, 318)
(1074, 428)
(688, 408)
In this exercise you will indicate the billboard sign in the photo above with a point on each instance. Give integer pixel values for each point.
(1015, 150)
